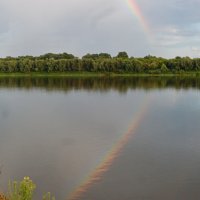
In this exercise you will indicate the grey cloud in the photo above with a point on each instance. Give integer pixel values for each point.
(176, 12)
(40, 26)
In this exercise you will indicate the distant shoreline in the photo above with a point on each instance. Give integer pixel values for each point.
(96, 74)
(99, 65)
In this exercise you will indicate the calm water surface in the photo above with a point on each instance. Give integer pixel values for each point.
(103, 138)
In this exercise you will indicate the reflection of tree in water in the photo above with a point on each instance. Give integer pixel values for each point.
(121, 84)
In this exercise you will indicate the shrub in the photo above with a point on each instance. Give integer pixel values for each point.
(22, 190)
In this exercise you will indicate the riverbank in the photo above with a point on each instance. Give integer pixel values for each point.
(95, 74)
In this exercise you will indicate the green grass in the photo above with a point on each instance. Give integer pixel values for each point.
(53, 74)
(94, 74)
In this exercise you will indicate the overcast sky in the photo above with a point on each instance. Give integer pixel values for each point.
(34, 27)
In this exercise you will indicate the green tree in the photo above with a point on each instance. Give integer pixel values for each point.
(91, 56)
(104, 56)
(122, 54)
(164, 68)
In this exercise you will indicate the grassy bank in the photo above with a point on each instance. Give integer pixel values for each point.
(96, 74)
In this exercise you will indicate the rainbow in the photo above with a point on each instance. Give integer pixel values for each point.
(132, 4)
(114, 153)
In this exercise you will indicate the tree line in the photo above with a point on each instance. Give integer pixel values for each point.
(102, 63)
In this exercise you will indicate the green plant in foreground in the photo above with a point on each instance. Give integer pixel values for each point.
(48, 196)
(22, 190)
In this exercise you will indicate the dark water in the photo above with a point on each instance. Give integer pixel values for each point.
(59, 130)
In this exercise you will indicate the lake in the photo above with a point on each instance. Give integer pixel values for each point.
(135, 138)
